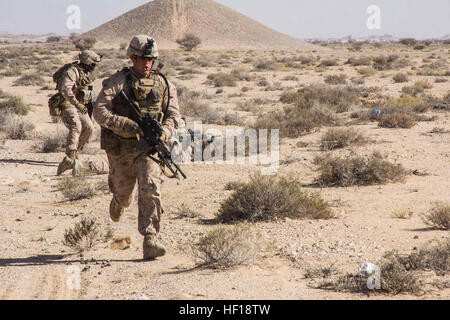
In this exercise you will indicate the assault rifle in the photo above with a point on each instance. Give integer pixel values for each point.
(152, 130)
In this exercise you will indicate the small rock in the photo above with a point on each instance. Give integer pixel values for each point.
(122, 243)
(416, 237)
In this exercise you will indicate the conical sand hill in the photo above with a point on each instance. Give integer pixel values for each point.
(218, 26)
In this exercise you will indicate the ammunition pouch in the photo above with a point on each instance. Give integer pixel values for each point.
(84, 96)
(54, 105)
(114, 144)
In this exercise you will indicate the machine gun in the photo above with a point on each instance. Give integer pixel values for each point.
(152, 130)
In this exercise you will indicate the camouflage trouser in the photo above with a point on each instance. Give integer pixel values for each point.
(124, 169)
(80, 127)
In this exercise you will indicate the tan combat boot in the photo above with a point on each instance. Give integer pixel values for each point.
(77, 166)
(67, 163)
(115, 210)
(151, 249)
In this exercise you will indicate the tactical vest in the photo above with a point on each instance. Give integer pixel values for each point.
(81, 87)
(146, 93)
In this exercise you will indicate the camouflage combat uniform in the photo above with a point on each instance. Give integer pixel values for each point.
(74, 88)
(71, 103)
(126, 164)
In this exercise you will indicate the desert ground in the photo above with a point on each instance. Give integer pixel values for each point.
(293, 258)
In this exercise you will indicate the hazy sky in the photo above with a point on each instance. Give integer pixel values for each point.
(298, 18)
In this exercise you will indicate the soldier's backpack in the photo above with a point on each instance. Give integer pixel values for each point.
(54, 103)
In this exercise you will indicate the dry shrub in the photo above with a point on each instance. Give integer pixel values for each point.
(438, 217)
(434, 257)
(185, 211)
(266, 65)
(384, 62)
(305, 60)
(358, 170)
(403, 213)
(191, 105)
(439, 130)
(400, 77)
(401, 63)
(14, 104)
(405, 102)
(394, 279)
(396, 120)
(437, 68)
(15, 127)
(29, 80)
(359, 61)
(328, 63)
(419, 87)
(367, 72)
(336, 138)
(319, 272)
(295, 121)
(408, 41)
(189, 42)
(12, 72)
(83, 236)
(290, 78)
(84, 43)
(345, 283)
(189, 71)
(247, 106)
(3, 94)
(226, 246)
(242, 74)
(358, 81)
(268, 197)
(336, 79)
(51, 143)
(108, 67)
(338, 98)
(222, 79)
(46, 69)
(76, 188)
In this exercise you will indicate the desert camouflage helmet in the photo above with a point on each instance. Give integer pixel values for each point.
(143, 46)
(89, 57)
